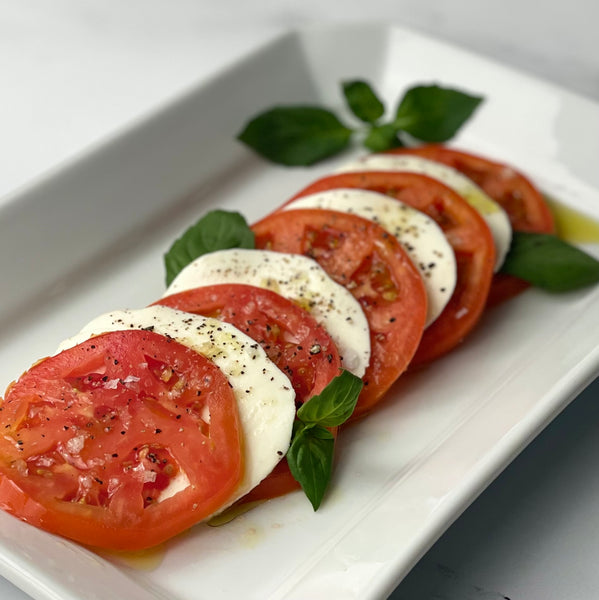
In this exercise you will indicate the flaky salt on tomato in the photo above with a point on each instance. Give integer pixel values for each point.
(119, 442)
(291, 338)
(467, 233)
(371, 263)
(522, 201)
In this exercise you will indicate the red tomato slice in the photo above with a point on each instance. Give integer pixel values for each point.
(371, 264)
(291, 338)
(521, 200)
(107, 443)
(467, 233)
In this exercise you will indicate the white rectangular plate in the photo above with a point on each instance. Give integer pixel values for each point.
(90, 238)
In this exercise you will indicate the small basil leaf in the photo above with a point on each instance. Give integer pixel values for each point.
(382, 137)
(362, 100)
(434, 114)
(296, 135)
(550, 263)
(310, 460)
(335, 404)
(217, 230)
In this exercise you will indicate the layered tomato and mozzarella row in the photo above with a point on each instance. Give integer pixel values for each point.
(149, 421)
(142, 425)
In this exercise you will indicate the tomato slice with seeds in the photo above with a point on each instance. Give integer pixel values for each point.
(291, 338)
(521, 200)
(120, 442)
(369, 262)
(467, 233)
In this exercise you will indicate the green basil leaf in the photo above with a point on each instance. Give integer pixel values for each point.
(363, 101)
(382, 137)
(550, 263)
(296, 135)
(434, 114)
(310, 460)
(217, 230)
(335, 404)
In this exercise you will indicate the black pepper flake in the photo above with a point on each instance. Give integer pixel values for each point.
(123, 432)
(98, 480)
(392, 320)
(158, 430)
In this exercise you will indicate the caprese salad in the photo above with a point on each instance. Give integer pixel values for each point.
(233, 386)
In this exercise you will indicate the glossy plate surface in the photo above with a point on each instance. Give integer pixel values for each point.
(90, 238)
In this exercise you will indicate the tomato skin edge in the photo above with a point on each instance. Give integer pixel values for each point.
(20, 505)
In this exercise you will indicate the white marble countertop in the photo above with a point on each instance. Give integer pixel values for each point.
(75, 71)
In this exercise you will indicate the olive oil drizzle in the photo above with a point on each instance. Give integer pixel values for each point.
(139, 560)
(573, 226)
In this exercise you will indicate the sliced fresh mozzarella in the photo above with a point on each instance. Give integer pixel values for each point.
(266, 412)
(421, 237)
(493, 214)
(297, 278)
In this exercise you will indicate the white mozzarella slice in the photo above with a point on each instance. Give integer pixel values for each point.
(420, 236)
(265, 399)
(493, 214)
(296, 277)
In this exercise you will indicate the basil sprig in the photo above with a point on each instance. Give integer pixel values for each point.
(304, 135)
(217, 230)
(296, 135)
(363, 101)
(310, 456)
(434, 114)
(547, 262)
